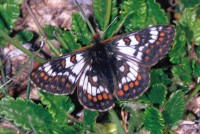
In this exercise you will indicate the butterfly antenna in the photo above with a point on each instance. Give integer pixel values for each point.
(109, 25)
(85, 18)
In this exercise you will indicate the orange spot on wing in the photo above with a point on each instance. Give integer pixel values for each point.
(147, 51)
(161, 39)
(131, 85)
(137, 83)
(146, 58)
(105, 95)
(139, 77)
(162, 34)
(138, 38)
(89, 96)
(56, 78)
(157, 42)
(100, 97)
(62, 80)
(120, 93)
(126, 87)
(46, 77)
(110, 96)
(95, 99)
(42, 74)
(63, 63)
(67, 85)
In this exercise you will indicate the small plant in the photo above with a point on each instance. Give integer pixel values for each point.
(158, 110)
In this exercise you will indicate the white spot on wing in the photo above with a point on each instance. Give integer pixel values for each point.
(94, 93)
(66, 73)
(154, 32)
(50, 72)
(141, 48)
(85, 83)
(72, 78)
(151, 41)
(53, 74)
(94, 78)
(133, 40)
(154, 37)
(77, 67)
(89, 88)
(134, 72)
(122, 68)
(46, 69)
(139, 55)
(131, 76)
(123, 80)
(60, 74)
(153, 28)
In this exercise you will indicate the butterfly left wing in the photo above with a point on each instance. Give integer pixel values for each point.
(60, 76)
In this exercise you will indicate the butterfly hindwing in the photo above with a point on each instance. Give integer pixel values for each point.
(132, 78)
(60, 76)
(146, 46)
(94, 90)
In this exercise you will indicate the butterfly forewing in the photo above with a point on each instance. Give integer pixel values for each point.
(145, 46)
(61, 75)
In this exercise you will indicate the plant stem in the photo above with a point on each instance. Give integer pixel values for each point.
(195, 91)
(41, 31)
(4, 77)
(85, 18)
(117, 121)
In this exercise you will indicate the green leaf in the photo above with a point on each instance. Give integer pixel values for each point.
(90, 118)
(17, 2)
(58, 106)
(25, 36)
(159, 76)
(183, 71)
(80, 29)
(153, 120)
(20, 111)
(8, 16)
(114, 10)
(174, 108)
(190, 3)
(70, 40)
(135, 122)
(100, 9)
(178, 51)
(196, 30)
(157, 94)
(196, 69)
(137, 14)
(155, 15)
(50, 31)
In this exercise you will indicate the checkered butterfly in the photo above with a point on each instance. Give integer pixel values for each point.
(117, 67)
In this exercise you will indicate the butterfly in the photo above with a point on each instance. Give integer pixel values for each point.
(117, 68)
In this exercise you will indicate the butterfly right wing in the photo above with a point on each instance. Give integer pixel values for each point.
(60, 76)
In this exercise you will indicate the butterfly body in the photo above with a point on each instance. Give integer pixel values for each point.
(115, 68)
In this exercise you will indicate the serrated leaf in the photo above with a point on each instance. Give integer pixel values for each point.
(157, 94)
(8, 16)
(196, 31)
(153, 120)
(50, 31)
(178, 50)
(89, 118)
(58, 106)
(159, 76)
(114, 10)
(135, 122)
(100, 8)
(138, 15)
(80, 29)
(174, 108)
(20, 110)
(183, 72)
(156, 15)
(69, 39)
(17, 2)
(196, 68)
(190, 3)
(24, 36)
